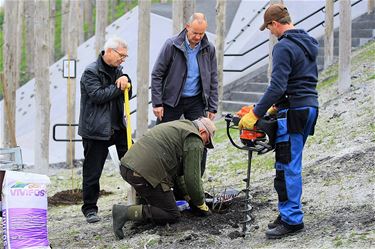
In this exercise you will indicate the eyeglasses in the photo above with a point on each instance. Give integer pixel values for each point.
(122, 56)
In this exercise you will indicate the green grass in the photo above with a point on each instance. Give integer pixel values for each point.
(367, 53)
(338, 241)
(221, 132)
(329, 81)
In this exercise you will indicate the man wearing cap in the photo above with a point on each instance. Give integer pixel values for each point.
(168, 154)
(293, 97)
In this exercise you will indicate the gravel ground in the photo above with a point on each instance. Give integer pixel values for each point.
(338, 177)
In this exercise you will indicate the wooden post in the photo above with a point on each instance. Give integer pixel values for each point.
(181, 12)
(52, 22)
(29, 12)
(11, 70)
(370, 6)
(220, 39)
(188, 10)
(328, 36)
(71, 87)
(101, 24)
(89, 18)
(177, 16)
(80, 22)
(64, 24)
(42, 87)
(143, 62)
(143, 66)
(345, 46)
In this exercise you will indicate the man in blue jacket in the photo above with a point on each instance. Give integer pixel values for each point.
(292, 95)
(101, 119)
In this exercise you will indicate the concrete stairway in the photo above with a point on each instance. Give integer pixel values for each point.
(246, 90)
(363, 30)
(250, 88)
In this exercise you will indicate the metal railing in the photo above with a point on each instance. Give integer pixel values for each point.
(76, 125)
(265, 41)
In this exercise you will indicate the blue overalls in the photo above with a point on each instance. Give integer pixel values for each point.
(291, 138)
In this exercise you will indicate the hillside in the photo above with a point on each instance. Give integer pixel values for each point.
(338, 197)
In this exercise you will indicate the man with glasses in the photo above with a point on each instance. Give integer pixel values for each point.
(101, 121)
(174, 150)
(184, 77)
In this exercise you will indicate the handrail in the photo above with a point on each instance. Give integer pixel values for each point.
(80, 140)
(258, 45)
(61, 139)
(265, 56)
(229, 43)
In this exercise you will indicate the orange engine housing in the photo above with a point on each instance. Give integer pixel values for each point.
(250, 135)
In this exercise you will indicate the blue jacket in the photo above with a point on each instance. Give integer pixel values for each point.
(294, 73)
(170, 70)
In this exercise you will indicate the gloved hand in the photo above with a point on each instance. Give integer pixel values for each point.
(248, 121)
(272, 111)
(200, 210)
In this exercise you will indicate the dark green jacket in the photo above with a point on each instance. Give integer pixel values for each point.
(167, 151)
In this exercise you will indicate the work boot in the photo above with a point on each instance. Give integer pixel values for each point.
(275, 223)
(92, 217)
(121, 214)
(284, 230)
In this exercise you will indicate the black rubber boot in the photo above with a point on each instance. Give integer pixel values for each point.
(121, 214)
(284, 230)
(275, 223)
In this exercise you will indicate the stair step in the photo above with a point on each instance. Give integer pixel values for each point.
(358, 42)
(366, 17)
(251, 87)
(234, 106)
(245, 96)
(366, 24)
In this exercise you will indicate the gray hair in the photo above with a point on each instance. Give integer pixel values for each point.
(197, 16)
(115, 42)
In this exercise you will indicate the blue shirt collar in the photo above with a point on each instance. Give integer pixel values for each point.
(187, 44)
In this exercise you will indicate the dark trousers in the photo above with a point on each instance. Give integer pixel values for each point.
(160, 206)
(192, 108)
(95, 153)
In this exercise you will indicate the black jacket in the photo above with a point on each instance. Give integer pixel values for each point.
(98, 95)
